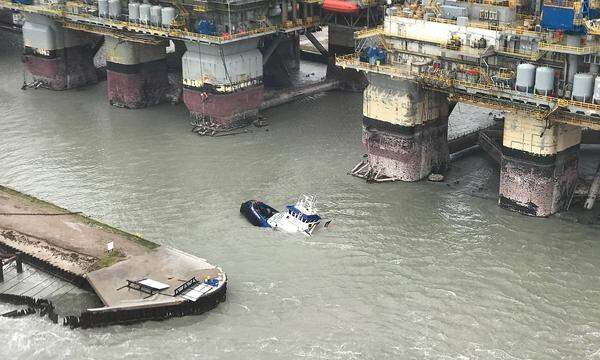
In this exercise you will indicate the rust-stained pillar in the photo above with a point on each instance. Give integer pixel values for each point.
(405, 128)
(136, 73)
(538, 170)
(223, 84)
(58, 58)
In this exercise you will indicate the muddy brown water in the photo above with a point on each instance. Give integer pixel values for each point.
(411, 270)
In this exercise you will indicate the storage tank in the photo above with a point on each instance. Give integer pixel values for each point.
(145, 13)
(525, 77)
(544, 80)
(134, 12)
(103, 8)
(167, 16)
(275, 11)
(114, 8)
(583, 87)
(597, 90)
(155, 14)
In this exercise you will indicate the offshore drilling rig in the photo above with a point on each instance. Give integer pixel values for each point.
(539, 61)
(228, 49)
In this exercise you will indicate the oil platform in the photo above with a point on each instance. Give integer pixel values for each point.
(224, 51)
(539, 61)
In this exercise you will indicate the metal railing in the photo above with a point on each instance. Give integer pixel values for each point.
(91, 23)
(353, 61)
(367, 33)
(568, 49)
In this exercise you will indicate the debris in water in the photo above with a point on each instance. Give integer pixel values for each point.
(435, 177)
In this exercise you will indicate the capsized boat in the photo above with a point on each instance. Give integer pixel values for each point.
(301, 217)
(257, 212)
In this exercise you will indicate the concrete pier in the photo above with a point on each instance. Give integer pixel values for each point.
(136, 73)
(405, 129)
(58, 58)
(111, 262)
(538, 170)
(223, 84)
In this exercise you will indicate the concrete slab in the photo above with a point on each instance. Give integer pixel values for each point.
(166, 265)
(74, 245)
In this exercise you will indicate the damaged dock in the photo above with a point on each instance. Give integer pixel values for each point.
(135, 279)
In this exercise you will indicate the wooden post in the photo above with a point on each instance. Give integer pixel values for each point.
(1, 271)
(19, 261)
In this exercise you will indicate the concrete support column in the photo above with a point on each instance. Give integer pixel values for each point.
(223, 84)
(136, 73)
(539, 165)
(58, 58)
(405, 128)
(283, 63)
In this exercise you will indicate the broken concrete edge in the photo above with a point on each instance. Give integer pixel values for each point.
(128, 236)
(78, 280)
(105, 316)
(44, 306)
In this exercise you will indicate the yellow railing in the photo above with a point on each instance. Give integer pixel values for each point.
(516, 29)
(86, 22)
(352, 61)
(366, 33)
(593, 28)
(568, 49)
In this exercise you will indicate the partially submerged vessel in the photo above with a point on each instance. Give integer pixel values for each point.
(257, 212)
(301, 217)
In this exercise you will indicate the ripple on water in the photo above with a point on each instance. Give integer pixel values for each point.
(417, 270)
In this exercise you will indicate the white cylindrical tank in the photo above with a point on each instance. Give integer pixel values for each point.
(167, 16)
(275, 11)
(155, 14)
(145, 13)
(103, 8)
(114, 8)
(544, 80)
(597, 90)
(583, 87)
(134, 12)
(525, 77)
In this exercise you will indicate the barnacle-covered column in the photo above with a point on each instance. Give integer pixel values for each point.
(538, 171)
(405, 128)
(223, 83)
(58, 58)
(136, 73)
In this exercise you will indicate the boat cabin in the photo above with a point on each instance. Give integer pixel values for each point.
(297, 214)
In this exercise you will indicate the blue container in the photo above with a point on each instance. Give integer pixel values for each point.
(212, 282)
(559, 18)
(206, 27)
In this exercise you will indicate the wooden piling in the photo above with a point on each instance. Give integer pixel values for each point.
(19, 262)
(1, 271)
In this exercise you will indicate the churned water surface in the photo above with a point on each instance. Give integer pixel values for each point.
(417, 270)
